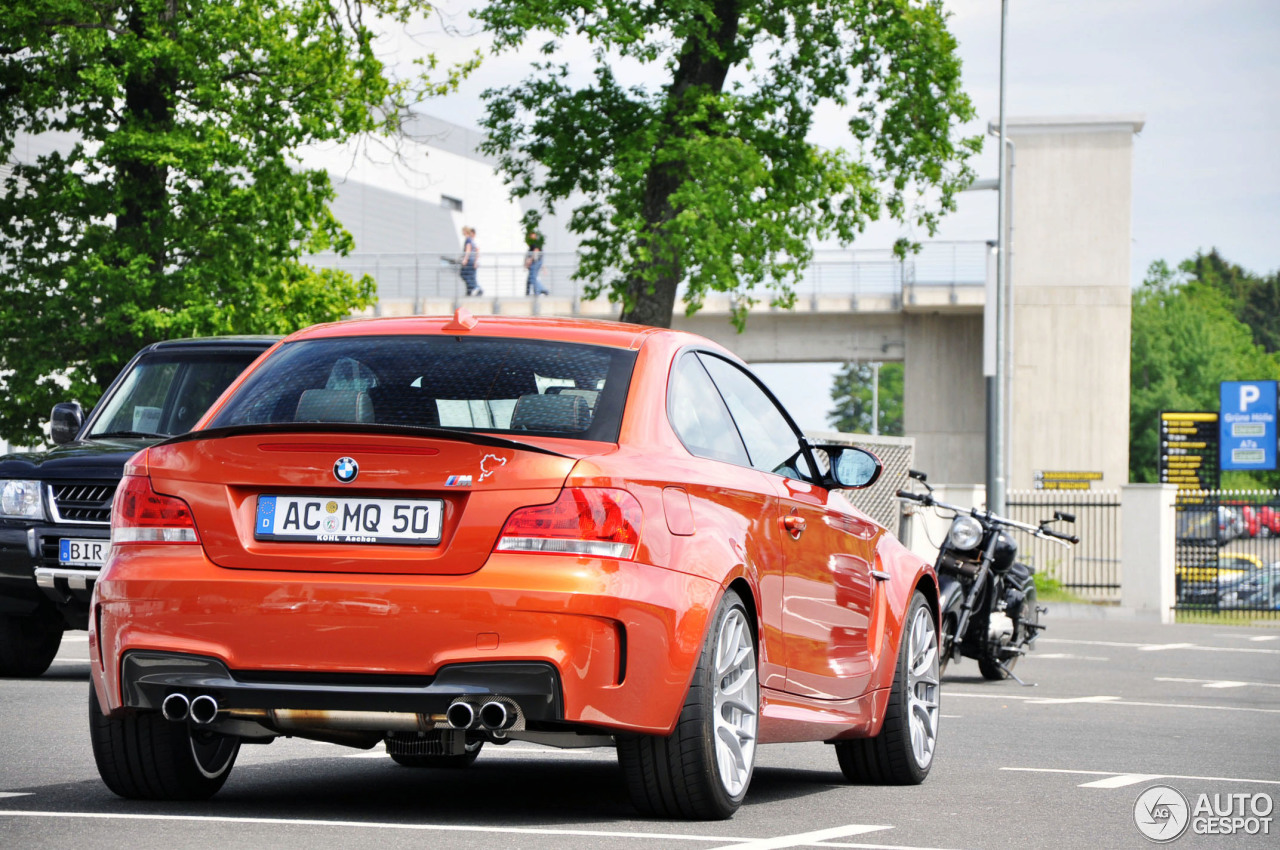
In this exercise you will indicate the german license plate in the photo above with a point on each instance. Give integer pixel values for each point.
(341, 519)
(76, 552)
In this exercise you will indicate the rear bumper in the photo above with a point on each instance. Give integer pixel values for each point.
(148, 677)
(604, 644)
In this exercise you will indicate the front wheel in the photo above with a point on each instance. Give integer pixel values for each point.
(28, 644)
(145, 757)
(701, 770)
(903, 751)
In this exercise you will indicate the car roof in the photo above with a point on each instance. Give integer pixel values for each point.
(590, 331)
(260, 342)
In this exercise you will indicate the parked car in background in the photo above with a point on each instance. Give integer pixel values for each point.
(1257, 590)
(1258, 520)
(1205, 583)
(55, 505)
(434, 533)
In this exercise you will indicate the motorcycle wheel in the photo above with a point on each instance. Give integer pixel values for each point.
(989, 665)
(948, 643)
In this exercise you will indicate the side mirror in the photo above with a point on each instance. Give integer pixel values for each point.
(65, 422)
(853, 468)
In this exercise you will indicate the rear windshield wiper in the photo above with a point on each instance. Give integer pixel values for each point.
(140, 434)
(363, 428)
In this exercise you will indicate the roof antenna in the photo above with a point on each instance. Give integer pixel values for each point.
(462, 321)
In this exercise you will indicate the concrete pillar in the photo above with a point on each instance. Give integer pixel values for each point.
(1146, 552)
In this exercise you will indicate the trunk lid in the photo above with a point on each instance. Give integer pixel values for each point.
(460, 490)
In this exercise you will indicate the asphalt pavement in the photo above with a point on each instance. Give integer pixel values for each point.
(1112, 710)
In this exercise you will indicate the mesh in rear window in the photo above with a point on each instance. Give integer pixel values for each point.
(472, 383)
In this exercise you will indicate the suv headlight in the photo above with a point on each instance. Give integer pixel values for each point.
(21, 498)
(965, 533)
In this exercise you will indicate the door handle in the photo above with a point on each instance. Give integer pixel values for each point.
(794, 525)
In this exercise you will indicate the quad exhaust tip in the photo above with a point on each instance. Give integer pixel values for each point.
(204, 709)
(496, 716)
(175, 707)
(461, 715)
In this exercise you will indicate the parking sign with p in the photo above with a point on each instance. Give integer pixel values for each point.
(1247, 418)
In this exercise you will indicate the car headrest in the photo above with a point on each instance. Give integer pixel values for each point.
(536, 412)
(334, 406)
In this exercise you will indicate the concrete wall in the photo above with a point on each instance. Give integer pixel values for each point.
(945, 399)
(1072, 188)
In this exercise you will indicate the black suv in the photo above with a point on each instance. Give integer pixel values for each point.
(55, 506)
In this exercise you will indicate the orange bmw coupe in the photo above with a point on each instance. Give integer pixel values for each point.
(434, 533)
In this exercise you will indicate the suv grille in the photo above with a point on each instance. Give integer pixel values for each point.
(82, 502)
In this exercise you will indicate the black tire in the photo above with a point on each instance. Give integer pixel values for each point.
(948, 642)
(992, 669)
(28, 644)
(902, 753)
(145, 757)
(697, 772)
(449, 762)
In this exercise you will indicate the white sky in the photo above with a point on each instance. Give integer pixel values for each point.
(1205, 74)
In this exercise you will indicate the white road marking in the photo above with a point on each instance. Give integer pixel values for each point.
(1157, 646)
(15, 793)
(1261, 638)
(1120, 780)
(355, 824)
(66, 638)
(1218, 683)
(805, 838)
(1153, 776)
(1112, 701)
(1068, 655)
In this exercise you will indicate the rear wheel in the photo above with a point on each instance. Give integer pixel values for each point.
(903, 751)
(701, 770)
(145, 757)
(28, 644)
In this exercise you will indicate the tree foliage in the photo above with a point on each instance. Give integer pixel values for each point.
(166, 202)
(1255, 299)
(855, 399)
(1186, 340)
(706, 176)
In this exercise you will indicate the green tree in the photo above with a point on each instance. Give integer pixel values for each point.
(1255, 299)
(705, 176)
(852, 393)
(168, 203)
(1186, 340)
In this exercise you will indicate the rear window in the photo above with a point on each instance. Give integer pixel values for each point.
(469, 383)
(165, 393)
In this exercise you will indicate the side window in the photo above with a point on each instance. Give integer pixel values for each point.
(699, 417)
(772, 443)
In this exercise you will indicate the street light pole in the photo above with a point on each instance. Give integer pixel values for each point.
(996, 399)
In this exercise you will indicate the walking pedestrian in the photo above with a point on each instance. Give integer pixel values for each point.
(470, 260)
(533, 262)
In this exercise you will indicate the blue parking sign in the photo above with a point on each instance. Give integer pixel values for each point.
(1247, 418)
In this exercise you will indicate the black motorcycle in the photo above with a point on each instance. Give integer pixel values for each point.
(988, 603)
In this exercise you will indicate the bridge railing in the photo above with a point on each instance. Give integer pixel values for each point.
(426, 277)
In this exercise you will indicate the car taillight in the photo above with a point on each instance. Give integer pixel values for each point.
(597, 522)
(141, 515)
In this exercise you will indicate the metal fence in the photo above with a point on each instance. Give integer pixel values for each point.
(422, 278)
(1090, 569)
(1227, 552)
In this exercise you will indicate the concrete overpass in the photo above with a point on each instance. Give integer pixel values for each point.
(1069, 387)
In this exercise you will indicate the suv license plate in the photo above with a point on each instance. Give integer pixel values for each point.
(78, 552)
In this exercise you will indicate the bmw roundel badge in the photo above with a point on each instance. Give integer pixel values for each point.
(345, 469)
